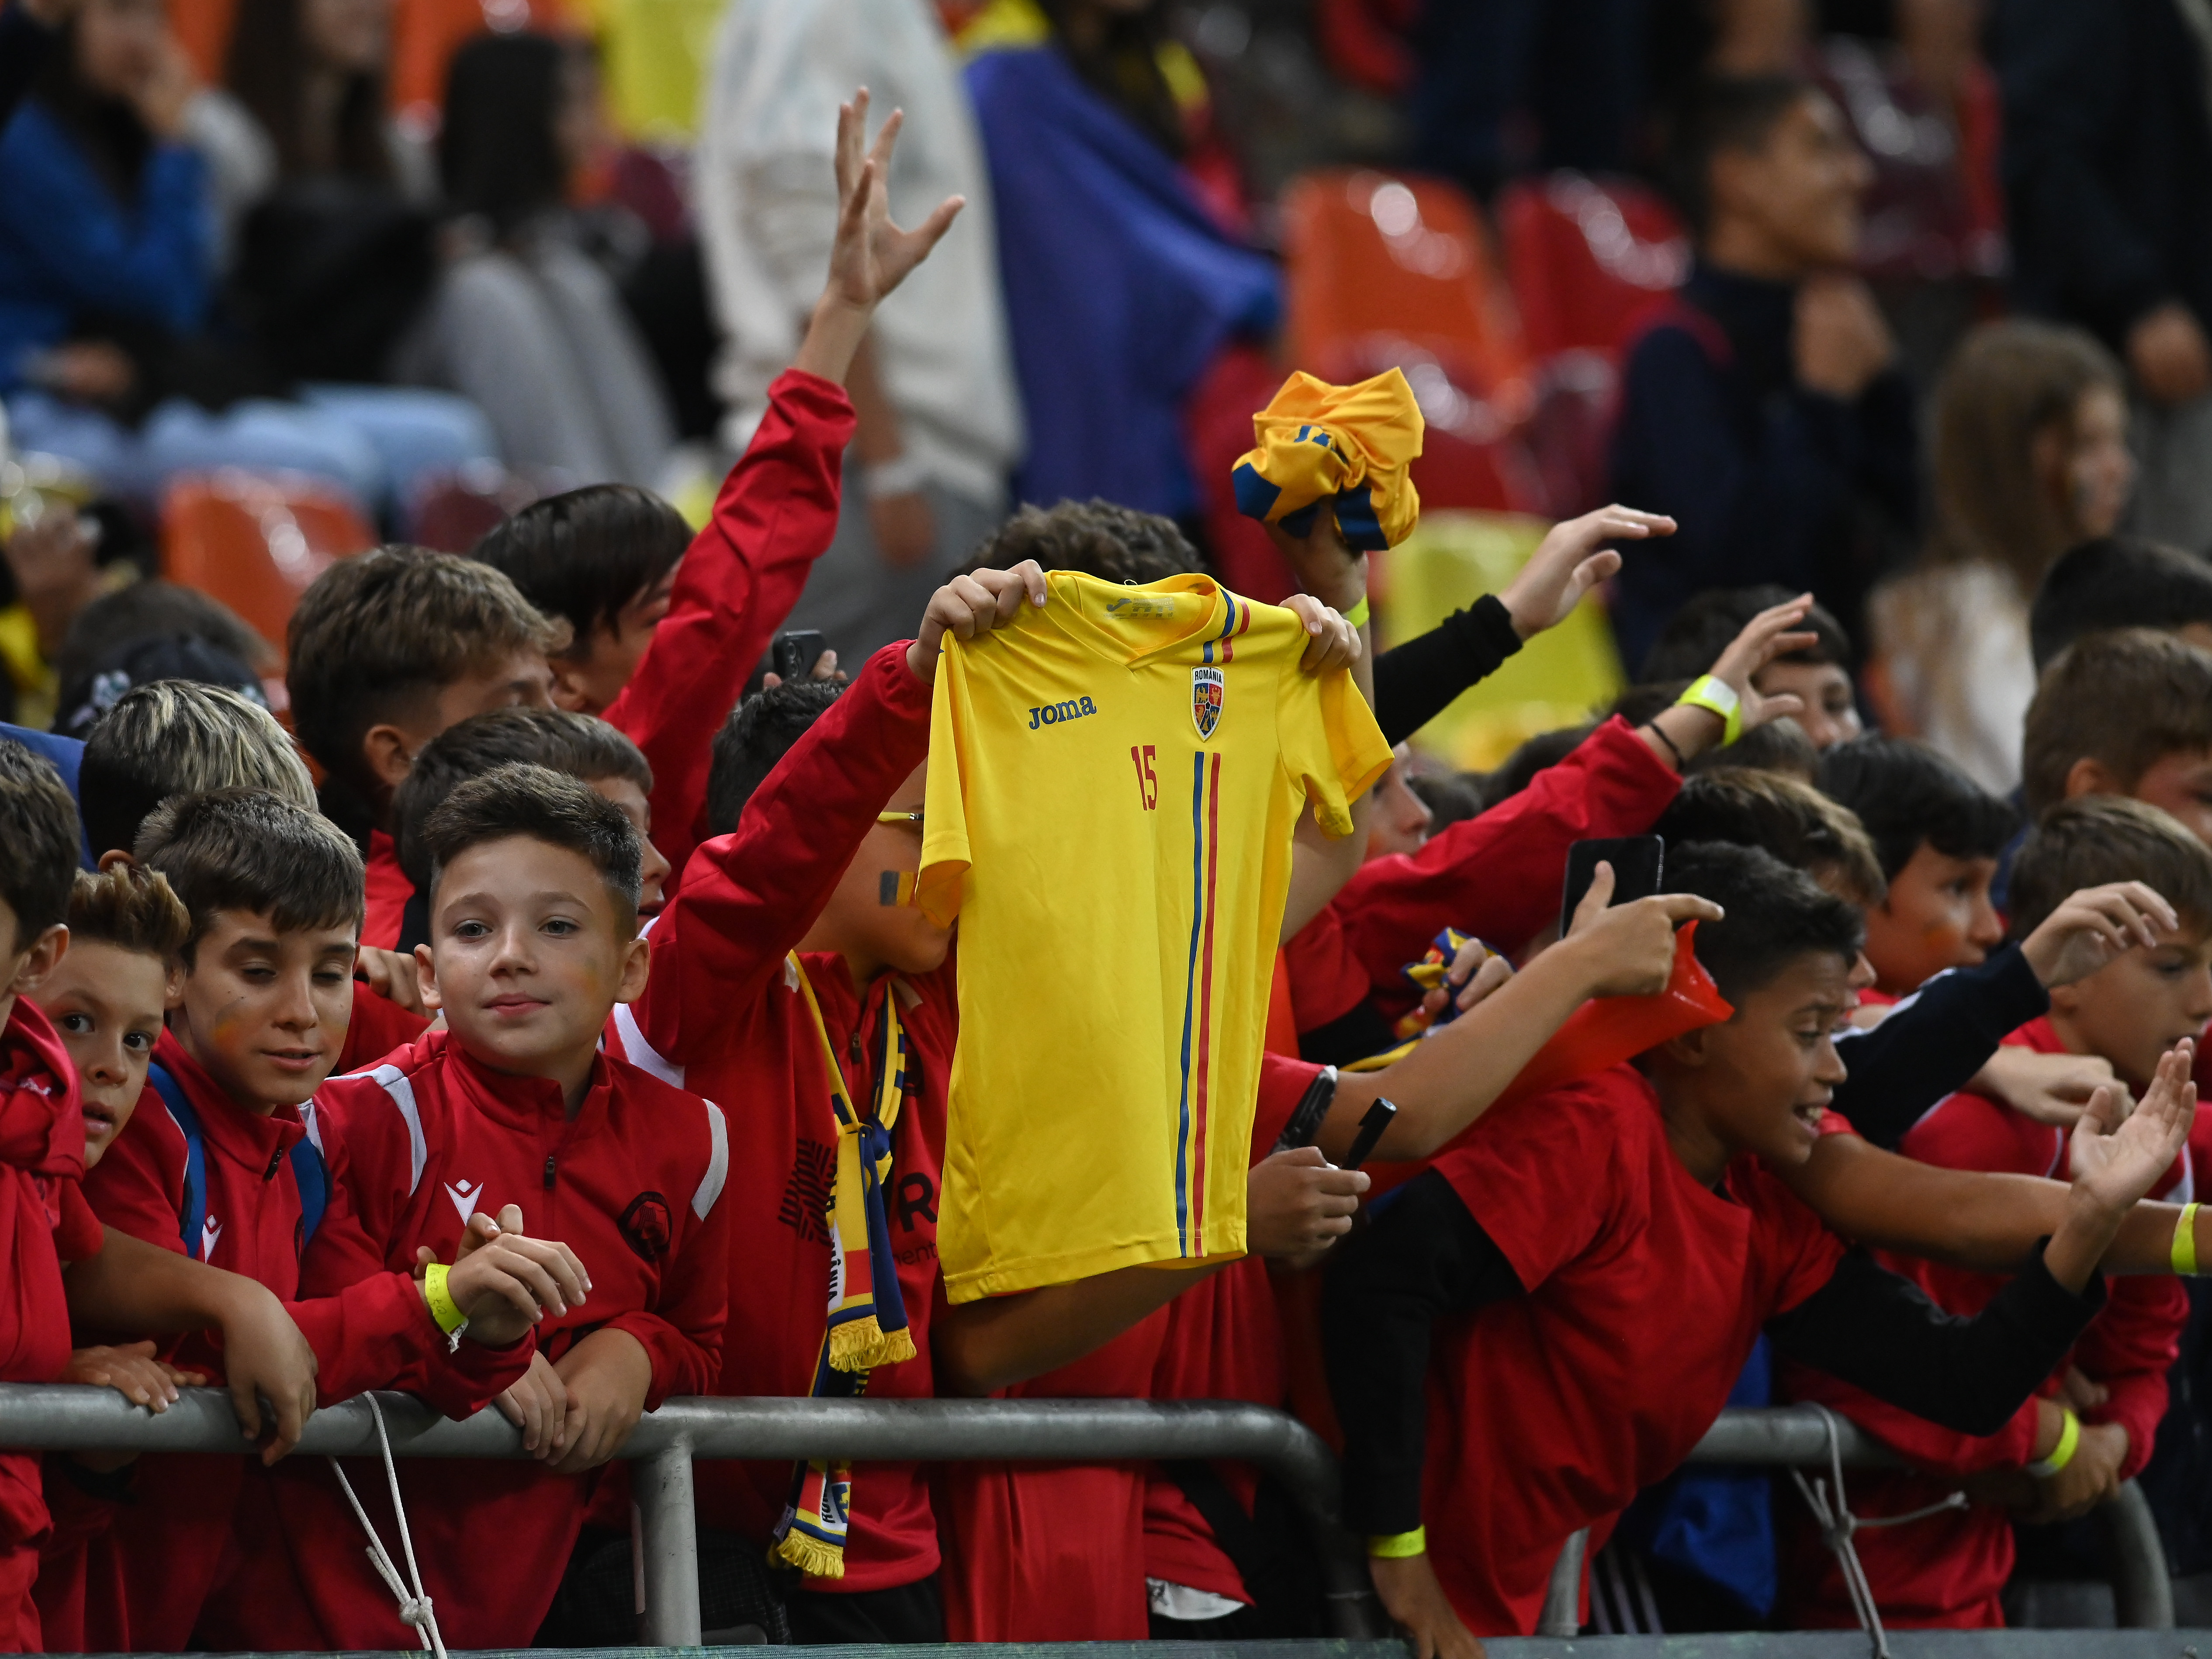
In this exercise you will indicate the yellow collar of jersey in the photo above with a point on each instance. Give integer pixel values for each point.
(1191, 618)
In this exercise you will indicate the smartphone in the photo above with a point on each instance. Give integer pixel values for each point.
(1313, 1107)
(1371, 1127)
(796, 653)
(1637, 861)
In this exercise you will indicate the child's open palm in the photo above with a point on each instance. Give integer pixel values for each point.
(871, 255)
(2114, 1160)
(1568, 563)
(1772, 633)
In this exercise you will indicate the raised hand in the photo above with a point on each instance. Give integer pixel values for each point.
(1323, 562)
(1771, 633)
(2115, 1157)
(871, 255)
(1630, 948)
(2092, 926)
(1568, 563)
(1331, 641)
(971, 604)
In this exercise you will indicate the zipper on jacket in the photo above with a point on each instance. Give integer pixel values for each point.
(275, 1158)
(548, 1172)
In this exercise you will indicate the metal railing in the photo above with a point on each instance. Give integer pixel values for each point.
(1787, 1437)
(55, 1418)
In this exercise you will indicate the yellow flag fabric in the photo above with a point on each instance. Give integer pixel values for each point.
(1114, 782)
(1351, 445)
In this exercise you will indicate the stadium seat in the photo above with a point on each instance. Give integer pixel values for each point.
(256, 541)
(1386, 271)
(453, 510)
(1590, 260)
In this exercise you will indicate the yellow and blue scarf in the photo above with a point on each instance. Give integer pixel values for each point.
(867, 1321)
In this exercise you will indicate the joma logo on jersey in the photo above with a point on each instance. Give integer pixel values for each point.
(1052, 714)
(1206, 686)
(1139, 609)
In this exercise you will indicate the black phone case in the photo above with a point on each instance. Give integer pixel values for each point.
(1638, 863)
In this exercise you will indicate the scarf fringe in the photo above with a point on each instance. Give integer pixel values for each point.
(810, 1555)
(861, 1345)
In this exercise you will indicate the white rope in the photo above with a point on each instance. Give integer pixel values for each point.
(1838, 1523)
(415, 1610)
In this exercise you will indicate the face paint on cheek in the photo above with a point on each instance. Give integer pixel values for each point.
(896, 887)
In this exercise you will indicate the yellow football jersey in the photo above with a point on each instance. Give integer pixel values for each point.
(1114, 782)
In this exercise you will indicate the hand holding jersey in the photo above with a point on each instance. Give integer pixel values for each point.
(1193, 698)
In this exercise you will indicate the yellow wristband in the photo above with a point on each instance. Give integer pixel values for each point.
(2185, 1242)
(1718, 697)
(2069, 1437)
(1357, 615)
(443, 1309)
(1396, 1547)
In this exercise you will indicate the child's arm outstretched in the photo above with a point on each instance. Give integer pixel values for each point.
(777, 510)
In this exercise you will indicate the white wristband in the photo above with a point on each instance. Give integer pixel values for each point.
(902, 474)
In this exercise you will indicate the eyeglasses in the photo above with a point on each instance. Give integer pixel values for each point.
(911, 818)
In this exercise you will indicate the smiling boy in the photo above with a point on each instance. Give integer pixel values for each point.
(1949, 1568)
(1609, 1253)
(213, 1167)
(533, 940)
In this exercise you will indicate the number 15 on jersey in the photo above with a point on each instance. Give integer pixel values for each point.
(1148, 784)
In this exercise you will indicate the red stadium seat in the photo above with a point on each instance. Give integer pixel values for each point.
(1590, 260)
(1387, 271)
(256, 541)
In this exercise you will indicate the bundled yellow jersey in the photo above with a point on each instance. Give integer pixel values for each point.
(1114, 782)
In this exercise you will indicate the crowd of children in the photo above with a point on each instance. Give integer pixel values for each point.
(593, 1036)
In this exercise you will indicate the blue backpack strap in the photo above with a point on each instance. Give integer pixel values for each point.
(314, 1183)
(194, 1218)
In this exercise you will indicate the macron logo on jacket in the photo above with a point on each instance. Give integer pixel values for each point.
(464, 1195)
(210, 1236)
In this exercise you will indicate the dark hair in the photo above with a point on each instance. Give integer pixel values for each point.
(131, 908)
(1723, 113)
(577, 745)
(583, 556)
(1775, 914)
(245, 849)
(181, 738)
(1113, 544)
(1706, 624)
(1905, 793)
(1745, 806)
(759, 734)
(268, 72)
(1451, 796)
(380, 632)
(1537, 754)
(498, 154)
(37, 826)
(2099, 839)
(147, 611)
(539, 804)
(2127, 699)
(2117, 582)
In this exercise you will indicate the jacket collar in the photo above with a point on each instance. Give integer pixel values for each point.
(245, 1136)
(528, 1103)
(41, 1114)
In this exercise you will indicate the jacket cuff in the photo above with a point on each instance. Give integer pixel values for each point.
(823, 399)
(2016, 995)
(904, 696)
(2047, 1305)
(1382, 1499)
(1632, 755)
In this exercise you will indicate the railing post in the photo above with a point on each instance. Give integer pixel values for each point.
(1563, 1601)
(668, 1539)
(2143, 1594)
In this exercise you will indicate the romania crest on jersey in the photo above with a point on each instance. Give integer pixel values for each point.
(1206, 685)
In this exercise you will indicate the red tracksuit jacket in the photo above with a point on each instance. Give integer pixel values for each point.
(138, 1576)
(632, 1184)
(721, 1010)
(1950, 1568)
(1496, 876)
(776, 514)
(44, 1222)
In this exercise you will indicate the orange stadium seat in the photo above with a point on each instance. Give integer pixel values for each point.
(256, 541)
(1385, 272)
